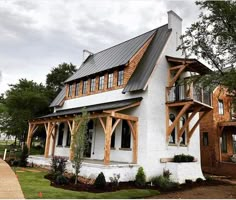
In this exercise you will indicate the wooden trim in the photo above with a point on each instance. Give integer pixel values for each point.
(132, 128)
(177, 67)
(186, 124)
(190, 133)
(124, 116)
(102, 123)
(125, 107)
(171, 127)
(115, 125)
(176, 104)
(69, 125)
(135, 144)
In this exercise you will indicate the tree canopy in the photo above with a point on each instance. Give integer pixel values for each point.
(58, 75)
(213, 38)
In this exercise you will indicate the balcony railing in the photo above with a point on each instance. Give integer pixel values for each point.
(186, 92)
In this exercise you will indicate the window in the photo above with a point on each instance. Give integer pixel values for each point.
(110, 80)
(125, 135)
(220, 107)
(68, 138)
(60, 134)
(77, 89)
(70, 90)
(205, 139)
(85, 83)
(101, 83)
(172, 135)
(234, 143)
(113, 137)
(93, 84)
(224, 143)
(120, 78)
(183, 137)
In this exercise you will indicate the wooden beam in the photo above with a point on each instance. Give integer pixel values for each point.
(115, 125)
(176, 104)
(102, 123)
(131, 128)
(190, 133)
(108, 140)
(180, 114)
(47, 145)
(181, 69)
(135, 143)
(124, 116)
(181, 131)
(69, 125)
(176, 67)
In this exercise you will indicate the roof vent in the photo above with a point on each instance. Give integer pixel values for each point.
(86, 54)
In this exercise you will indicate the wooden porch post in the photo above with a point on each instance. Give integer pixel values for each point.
(135, 143)
(54, 140)
(108, 140)
(29, 138)
(46, 151)
(71, 156)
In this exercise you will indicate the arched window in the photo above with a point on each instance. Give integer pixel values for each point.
(172, 135)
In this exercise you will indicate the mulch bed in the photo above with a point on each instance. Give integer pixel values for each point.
(131, 185)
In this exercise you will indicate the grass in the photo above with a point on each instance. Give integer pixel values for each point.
(32, 183)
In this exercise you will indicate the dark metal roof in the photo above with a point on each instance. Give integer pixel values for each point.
(194, 64)
(147, 63)
(97, 107)
(112, 57)
(59, 98)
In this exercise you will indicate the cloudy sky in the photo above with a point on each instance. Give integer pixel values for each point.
(36, 35)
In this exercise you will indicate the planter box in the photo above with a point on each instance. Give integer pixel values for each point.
(185, 170)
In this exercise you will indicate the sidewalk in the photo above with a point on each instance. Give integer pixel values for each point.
(9, 185)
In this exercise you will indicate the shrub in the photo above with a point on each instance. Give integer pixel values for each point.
(140, 178)
(61, 180)
(209, 178)
(23, 157)
(183, 158)
(58, 165)
(100, 181)
(115, 179)
(167, 173)
(199, 180)
(188, 181)
(163, 182)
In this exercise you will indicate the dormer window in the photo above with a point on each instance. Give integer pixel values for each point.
(101, 83)
(70, 90)
(77, 89)
(93, 84)
(120, 78)
(110, 80)
(84, 90)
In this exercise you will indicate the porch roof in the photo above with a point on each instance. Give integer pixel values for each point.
(96, 107)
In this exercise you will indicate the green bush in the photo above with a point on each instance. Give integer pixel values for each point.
(140, 179)
(61, 180)
(199, 180)
(23, 157)
(58, 165)
(188, 181)
(163, 182)
(183, 158)
(100, 181)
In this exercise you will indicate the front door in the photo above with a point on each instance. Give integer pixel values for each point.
(89, 136)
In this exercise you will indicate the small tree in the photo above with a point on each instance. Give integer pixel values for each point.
(24, 155)
(79, 141)
(140, 179)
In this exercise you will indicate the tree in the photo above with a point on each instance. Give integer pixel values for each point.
(213, 38)
(79, 141)
(24, 101)
(58, 75)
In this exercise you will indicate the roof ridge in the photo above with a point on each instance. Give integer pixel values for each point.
(129, 39)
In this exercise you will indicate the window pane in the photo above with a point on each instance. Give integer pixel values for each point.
(221, 107)
(92, 86)
(101, 83)
(68, 138)
(234, 143)
(85, 83)
(224, 143)
(205, 139)
(110, 80)
(70, 90)
(60, 134)
(77, 89)
(172, 135)
(120, 79)
(126, 135)
(183, 137)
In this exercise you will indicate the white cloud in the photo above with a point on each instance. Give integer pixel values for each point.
(39, 35)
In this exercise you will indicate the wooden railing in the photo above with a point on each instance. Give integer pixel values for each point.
(186, 92)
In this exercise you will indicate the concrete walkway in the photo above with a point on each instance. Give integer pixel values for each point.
(9, 185)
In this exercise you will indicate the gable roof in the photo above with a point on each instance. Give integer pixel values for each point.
(140, 77)
(59, 98)
(112, 57)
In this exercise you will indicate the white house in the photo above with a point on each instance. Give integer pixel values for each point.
(141, 114)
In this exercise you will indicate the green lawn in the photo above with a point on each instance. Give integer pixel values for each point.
(33, 182)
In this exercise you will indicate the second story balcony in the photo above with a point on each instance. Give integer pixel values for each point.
(188, 93)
